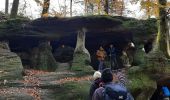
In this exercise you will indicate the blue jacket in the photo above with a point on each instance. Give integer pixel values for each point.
(165, 91)
(116, 90)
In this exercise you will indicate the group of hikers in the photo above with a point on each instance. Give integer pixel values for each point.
(101, 55)
(109, 86)
(110, 82)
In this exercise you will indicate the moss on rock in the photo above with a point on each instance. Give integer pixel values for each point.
(81, 62)
(141, 85)
(10, 65)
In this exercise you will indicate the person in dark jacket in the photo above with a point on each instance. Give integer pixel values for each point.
(113, 60)
(96, 83)
(166, 93)
(111, 90)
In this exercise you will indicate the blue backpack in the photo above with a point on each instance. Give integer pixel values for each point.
(166, 91)
(114, 92)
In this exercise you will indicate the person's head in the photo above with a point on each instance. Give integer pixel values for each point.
(169, 11)
(131, 44)
(63, 46)
(107, 75)
(96, 75)
(111, 45)
(101, 48)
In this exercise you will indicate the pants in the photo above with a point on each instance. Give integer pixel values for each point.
(100, 67)
(113, 62)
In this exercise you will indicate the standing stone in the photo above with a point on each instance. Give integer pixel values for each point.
(42, 57)
(81, 57)
(10, 63)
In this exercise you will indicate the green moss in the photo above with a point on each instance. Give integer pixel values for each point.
(81, 62)
(140, 82)
(73, 91)
(139, 58)
(46, 60)
(12, 25)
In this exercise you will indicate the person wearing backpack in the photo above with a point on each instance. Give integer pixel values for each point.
(96, 83)
(166, 93)
(111, 90)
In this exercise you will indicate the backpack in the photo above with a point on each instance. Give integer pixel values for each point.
(166, 91)
(113, 93)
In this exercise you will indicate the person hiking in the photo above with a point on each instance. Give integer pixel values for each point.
(113, 60)
(96, 83)
(166, 93)
(128, 53)
(168, 12)
(101, 55)
(111, 90)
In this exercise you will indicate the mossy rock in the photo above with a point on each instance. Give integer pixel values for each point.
(139, 57)
(141, 85)
(81, 62)
(73, 91)
(42, 58)
(10, 65)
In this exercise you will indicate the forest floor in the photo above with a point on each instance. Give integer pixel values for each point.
(41, 85)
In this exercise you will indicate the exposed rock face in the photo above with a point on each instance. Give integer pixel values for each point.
(42, 57)
(141, 85)
(81, 52)
(81, 62)
(10, 63)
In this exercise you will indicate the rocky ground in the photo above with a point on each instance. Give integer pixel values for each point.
(42, 85)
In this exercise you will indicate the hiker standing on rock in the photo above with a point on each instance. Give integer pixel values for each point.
(111, 90)
(113, 60)
(101, 55)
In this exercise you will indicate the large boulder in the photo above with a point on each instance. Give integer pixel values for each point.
(81, 62)
(141, 85)
(10, 63)
(42, 57)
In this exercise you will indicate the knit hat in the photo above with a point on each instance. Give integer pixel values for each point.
(96, 75)
(107, 75)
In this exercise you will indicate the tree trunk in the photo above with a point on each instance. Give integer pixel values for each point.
(86, 11)
(122, 8)
(168, 35)
(71, 2)
(161, 37)
(106, 7)
(80, 45)
(14, 9)
(45, 8)
(148, 10)
(98, 6)
(6, 6)
(92, 8)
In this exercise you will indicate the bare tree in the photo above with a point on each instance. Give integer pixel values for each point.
(106, 6)
(161, 36)
(71, 3)
(45, 8)
(6, 6)
(14, 9)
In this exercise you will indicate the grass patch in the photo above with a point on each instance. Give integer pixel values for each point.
(139, 82)
(73, 91)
